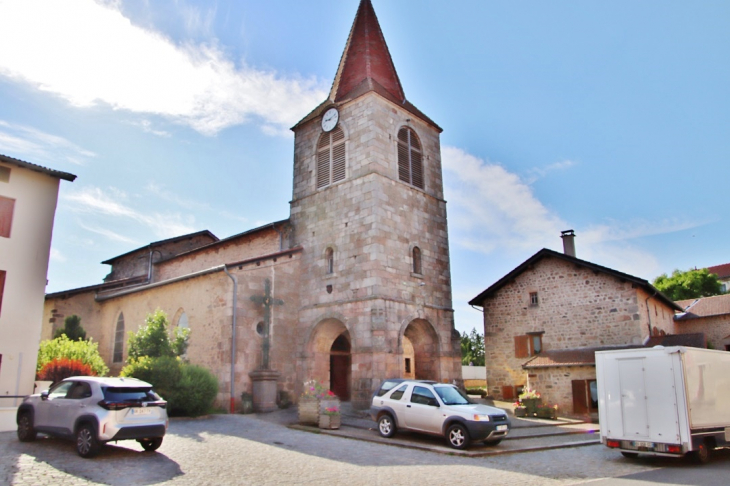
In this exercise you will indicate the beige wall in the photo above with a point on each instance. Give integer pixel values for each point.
(24, 256)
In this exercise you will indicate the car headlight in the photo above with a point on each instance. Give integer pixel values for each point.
(481, 418)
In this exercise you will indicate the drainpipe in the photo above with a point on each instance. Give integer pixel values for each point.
(233, 339)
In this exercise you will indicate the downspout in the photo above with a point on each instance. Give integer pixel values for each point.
(648, 313)
(233, 339)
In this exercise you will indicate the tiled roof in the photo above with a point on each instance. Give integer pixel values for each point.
(717, 305)
(546, 253)
(722, 271)
(38, 168)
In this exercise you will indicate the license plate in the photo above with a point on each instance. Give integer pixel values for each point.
(644, 445)
(502, 427)
(140, 411)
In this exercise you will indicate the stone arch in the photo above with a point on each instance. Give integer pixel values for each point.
(329, 351)
(420, 337)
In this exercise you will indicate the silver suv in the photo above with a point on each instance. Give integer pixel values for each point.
(438, 409)
(94, 410)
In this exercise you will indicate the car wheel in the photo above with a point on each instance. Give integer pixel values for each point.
(702, 454)
(26, 432)
(386, 426)
(151, 444)
(630, 455)
(458, 436)
(492, 443)
(87, 445)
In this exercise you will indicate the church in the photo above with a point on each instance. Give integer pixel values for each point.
(354, 287)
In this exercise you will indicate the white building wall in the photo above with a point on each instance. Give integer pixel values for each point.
(24, 258)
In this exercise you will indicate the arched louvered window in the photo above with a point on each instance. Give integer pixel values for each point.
(410, 158)
(417, 260)
(329, 260)
(331, 160)
(119, 340)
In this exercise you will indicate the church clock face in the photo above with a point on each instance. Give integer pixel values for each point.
(329, 120)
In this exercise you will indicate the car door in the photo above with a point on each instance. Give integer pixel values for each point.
(44, 416)
(423, 411)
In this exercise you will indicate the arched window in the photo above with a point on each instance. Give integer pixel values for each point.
(410, 158)
(331, 166)
(119, 340)
(329, 261)
(417, 260)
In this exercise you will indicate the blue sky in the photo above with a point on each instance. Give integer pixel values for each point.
(609, 118)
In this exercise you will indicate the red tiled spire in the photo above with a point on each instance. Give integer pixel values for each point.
(366, 62)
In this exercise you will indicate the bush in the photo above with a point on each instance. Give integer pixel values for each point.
(195, 393)
(189, 390)
(61, 368)
(62, 347)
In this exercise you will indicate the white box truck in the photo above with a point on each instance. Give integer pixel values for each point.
(664, 401)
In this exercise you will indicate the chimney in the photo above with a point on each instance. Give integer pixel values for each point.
(568, 237)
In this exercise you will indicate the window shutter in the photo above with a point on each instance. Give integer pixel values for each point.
(522, 346)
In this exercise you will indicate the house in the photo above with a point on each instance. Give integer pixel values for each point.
(353, 287)
(545, 319)
(709, 316)
(28, 196)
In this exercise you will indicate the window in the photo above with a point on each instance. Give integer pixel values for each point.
(7, 206)
(528, 345)
(329, 261)
(119, 340)
(410, 158)
(331, 157)
(534, 299)
(417, 260)
(2, 288)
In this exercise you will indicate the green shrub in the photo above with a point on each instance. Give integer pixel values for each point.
(195, 393)
(62, 347)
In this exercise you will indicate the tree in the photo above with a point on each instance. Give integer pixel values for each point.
(154, 341)
(72, 329)
(472, 348)
(62, 347)
(691, 284)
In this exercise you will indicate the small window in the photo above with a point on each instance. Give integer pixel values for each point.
(2, 289)
(534, 301)
(410, 158)
(417, 261)
(7, 207)
(329, 261)
(331, 158)
(119, 340)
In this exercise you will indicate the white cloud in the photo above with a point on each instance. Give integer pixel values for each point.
(39, 147)
(110, 204)
(89, 53)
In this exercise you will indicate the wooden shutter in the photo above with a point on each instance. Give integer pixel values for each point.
(522, 346)
(7, 206)
(580, 396)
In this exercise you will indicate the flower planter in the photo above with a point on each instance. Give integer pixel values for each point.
(308, 411)
(330, 421)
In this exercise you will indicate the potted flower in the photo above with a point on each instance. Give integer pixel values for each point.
(330, 418)
(529, 399)
(520, 410)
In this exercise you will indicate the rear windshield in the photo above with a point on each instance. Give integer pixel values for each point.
(124, 394)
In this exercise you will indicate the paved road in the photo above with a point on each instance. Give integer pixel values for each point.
(238, 449)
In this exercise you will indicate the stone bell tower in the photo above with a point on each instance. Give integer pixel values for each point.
(369, 212)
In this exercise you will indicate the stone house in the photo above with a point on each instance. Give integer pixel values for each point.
(358, 276)
(28, 196)
(545, 319)
(709, 316)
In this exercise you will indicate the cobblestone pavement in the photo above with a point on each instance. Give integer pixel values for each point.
(241, 449)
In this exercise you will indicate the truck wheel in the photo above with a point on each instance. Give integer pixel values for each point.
(702, 454)
(630, 455)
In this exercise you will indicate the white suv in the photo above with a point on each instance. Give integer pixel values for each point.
(94, 410)
(437, 409)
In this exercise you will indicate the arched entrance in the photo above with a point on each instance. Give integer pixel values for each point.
(421, 351)
(329, 351)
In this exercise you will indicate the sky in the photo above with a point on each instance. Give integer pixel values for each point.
(608, 118)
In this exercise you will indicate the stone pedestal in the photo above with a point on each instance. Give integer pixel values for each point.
(264, 390)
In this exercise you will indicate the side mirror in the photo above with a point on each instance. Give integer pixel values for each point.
(44, 395)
